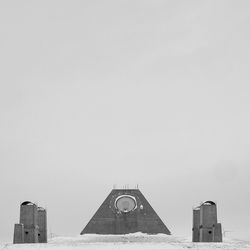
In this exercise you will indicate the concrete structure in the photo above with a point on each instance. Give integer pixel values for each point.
(28, 217)
(42, 225)
(205, 225)
(125, 211)
(18, 234)
(196, 225)
(27, 231)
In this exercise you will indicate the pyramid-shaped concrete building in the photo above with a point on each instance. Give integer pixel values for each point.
(125, 211)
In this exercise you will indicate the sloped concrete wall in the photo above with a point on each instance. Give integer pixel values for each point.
(108, 220)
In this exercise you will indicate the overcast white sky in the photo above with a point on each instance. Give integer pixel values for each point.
(96, 93)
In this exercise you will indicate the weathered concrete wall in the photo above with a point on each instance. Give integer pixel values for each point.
(196, 225)
(42, 225)
(109, 220)
(206, 234)
(217, 233)
(33, 224)
(18, 234)
(208, 220)
(28, 217)
(208, 215)
(209, 229)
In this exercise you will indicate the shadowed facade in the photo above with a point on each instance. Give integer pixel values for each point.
(125, 211)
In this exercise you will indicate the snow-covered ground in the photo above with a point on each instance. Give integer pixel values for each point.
(137, 241)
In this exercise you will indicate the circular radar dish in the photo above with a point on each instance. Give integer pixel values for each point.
(125, 203)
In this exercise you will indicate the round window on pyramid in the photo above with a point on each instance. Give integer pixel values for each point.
(125, 203)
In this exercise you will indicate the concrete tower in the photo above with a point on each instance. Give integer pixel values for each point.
(28, 217)
(196, 225)
(32, 227)
(205, 225)
(42, 225)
